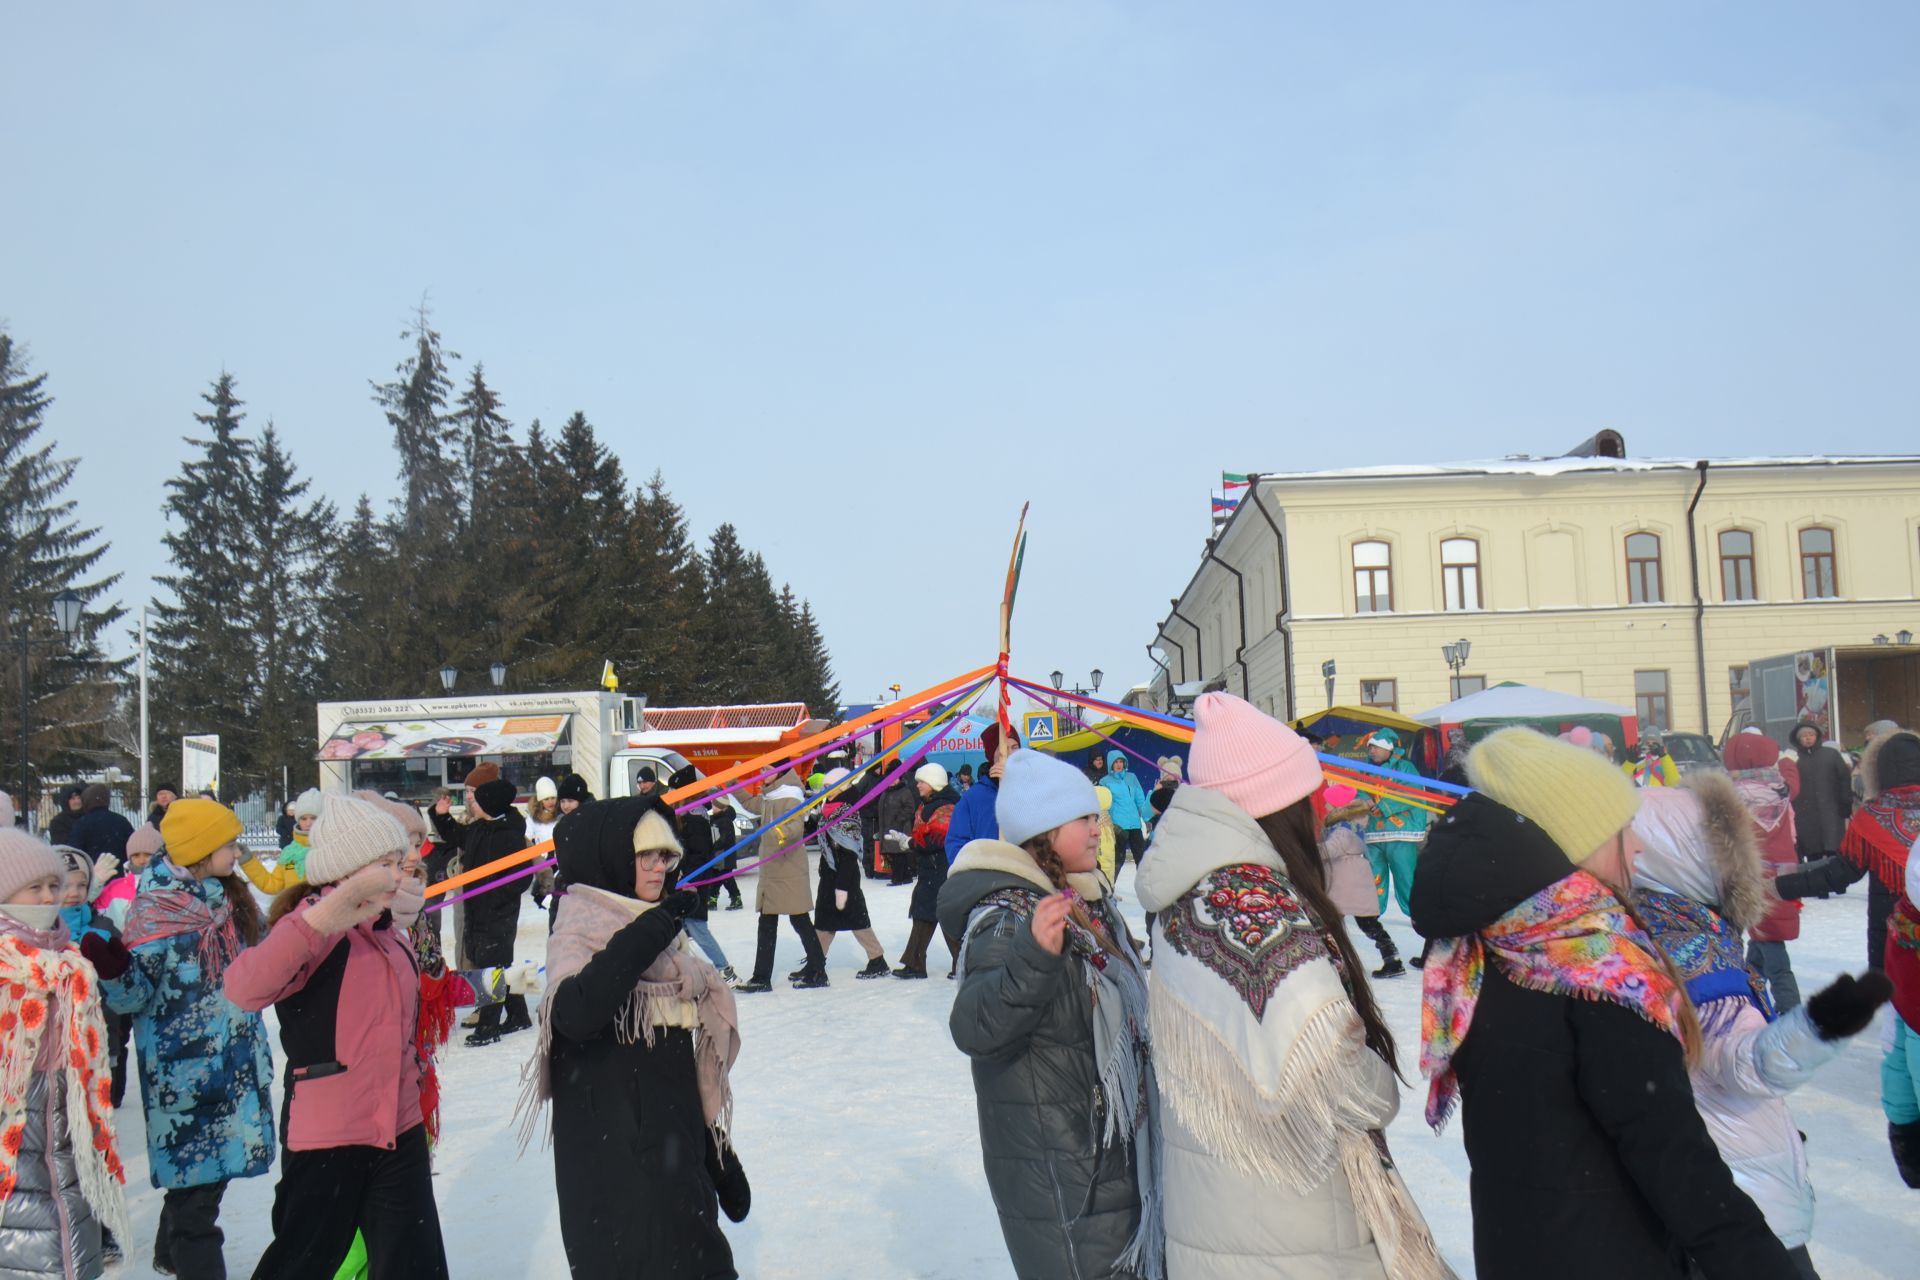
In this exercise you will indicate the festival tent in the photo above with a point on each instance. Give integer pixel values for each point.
(1479, 714)
(1344, 730)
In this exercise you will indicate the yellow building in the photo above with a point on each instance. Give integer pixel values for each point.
(1646, 582)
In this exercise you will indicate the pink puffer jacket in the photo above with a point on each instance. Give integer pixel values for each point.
(348, 1006)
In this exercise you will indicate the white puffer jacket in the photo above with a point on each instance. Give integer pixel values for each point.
(1700, 846)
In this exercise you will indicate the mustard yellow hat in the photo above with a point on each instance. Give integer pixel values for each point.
(195, 827)
(1575, 796)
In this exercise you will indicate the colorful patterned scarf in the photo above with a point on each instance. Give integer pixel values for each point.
(1573, 938)
(1882, 833)
(50, 990)
(169, 906)
(1709, 953)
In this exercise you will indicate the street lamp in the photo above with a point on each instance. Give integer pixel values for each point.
(1097, 673)
(498, 673)
(1456, 656)
(449, 674)
(1059, 679)
(67, 608)
(1327, 673)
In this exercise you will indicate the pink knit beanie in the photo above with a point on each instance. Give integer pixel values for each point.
(23, 860)
(1249, 757)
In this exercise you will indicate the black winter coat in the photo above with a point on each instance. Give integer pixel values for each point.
(696, 840)
(1590, 1160)
(1068, 1205)
(845, 873)
(930, 858)
(630, 1144)
(1825, 803)
(60, 830)
(101, 831)
(492, 917)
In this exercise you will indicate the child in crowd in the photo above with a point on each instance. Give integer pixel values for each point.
(342, 981)
(60, 1173)
(205, 1068)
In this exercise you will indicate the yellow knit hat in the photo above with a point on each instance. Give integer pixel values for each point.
(195, 827)
(1574, 795)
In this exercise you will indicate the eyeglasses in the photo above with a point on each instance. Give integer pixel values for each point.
(665, 859)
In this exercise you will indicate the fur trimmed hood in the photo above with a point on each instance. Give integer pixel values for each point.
(1871, 765)
(1700, 845)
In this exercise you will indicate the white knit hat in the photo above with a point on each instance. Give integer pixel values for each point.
(308, 805)
(934, 775)
(349, 835)
(544, 789)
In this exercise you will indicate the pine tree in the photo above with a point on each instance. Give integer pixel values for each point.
(734, 640)
(43, 552)
(428, 579)
(200, 645)
(814, 684)
(289, 552)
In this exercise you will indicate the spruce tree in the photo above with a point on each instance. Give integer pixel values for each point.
(200, 645)
(289, 550)
(359, 610)
(43, 552)
(814, 684)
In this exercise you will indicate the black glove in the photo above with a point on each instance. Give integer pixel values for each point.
(1905, 1140)
(108, 956)
(730, 1182)
(681, 903)
(1847, 1005)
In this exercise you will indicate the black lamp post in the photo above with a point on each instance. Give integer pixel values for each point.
(1456, 656)
(498, 674)
(67, 608)
(448, 675)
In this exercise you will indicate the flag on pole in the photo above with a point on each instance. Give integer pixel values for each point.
(1234, 480)
(1225, 506)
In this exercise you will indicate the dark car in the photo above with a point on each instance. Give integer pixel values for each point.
(1691, 751)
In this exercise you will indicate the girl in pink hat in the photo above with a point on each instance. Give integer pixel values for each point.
(1276, 1070)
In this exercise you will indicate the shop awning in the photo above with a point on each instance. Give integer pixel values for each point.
(421, 739)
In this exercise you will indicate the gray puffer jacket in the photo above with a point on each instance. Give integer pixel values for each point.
(1068, 1205)
(46, 1226)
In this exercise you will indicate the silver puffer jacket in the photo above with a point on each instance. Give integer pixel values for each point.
(46, 1226)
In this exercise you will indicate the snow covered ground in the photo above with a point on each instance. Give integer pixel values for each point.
(856, 1126)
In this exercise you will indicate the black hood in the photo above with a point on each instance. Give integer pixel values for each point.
(1819, 736)
(594, 843)
(945, 795)
(1481, 860)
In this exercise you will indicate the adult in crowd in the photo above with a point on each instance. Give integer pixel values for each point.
(542, 816)
(637, 1038)
(1650, 765)
(785, 888)
(343, 985)
(100, 830)
(1876, 840)
(1699, 884)
(696, 840)
(1395, 828)
(931, 819)
(1131, 815)
(896, 826)
(973, 816)
(283, 826)
(1171, 771)
(1825, 802)
(494, 830)
(164, 794)
(67, 811)
(1565, 1036)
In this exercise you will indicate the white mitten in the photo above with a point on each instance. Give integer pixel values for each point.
(107, 868)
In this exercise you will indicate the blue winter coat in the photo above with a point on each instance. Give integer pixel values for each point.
(974, 817)
(205, 1066)
(1131, 812)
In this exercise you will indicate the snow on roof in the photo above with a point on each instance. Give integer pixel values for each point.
(1527, 465)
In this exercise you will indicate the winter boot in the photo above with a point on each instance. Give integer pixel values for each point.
(733, 979)
(517, 1018)
(1905, 1140)
(753, 987)
(913, 961)
(810, 978)
(876, 968)
(489, 1028)
(1390, 966)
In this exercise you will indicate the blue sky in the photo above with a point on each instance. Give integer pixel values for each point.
(861, 277)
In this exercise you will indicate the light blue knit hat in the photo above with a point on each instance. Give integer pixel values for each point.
(1039, 793)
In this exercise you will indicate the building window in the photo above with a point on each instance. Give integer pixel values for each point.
(1380, 693)
(1819, 580)
(1650, 700)
(1460, 573)
(1372, 577)
(1643, 569)
(1736, 565)
(1464, 685)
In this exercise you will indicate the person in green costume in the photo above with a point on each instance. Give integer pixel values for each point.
(1395, 828)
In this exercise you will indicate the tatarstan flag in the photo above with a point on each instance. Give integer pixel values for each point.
(1234, 480)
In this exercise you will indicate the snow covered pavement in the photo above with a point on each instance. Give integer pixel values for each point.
(856, 1126)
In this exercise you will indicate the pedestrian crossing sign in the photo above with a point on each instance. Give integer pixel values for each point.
(1042, 728)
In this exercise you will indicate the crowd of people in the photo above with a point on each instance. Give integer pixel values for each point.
(1608, 1002)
